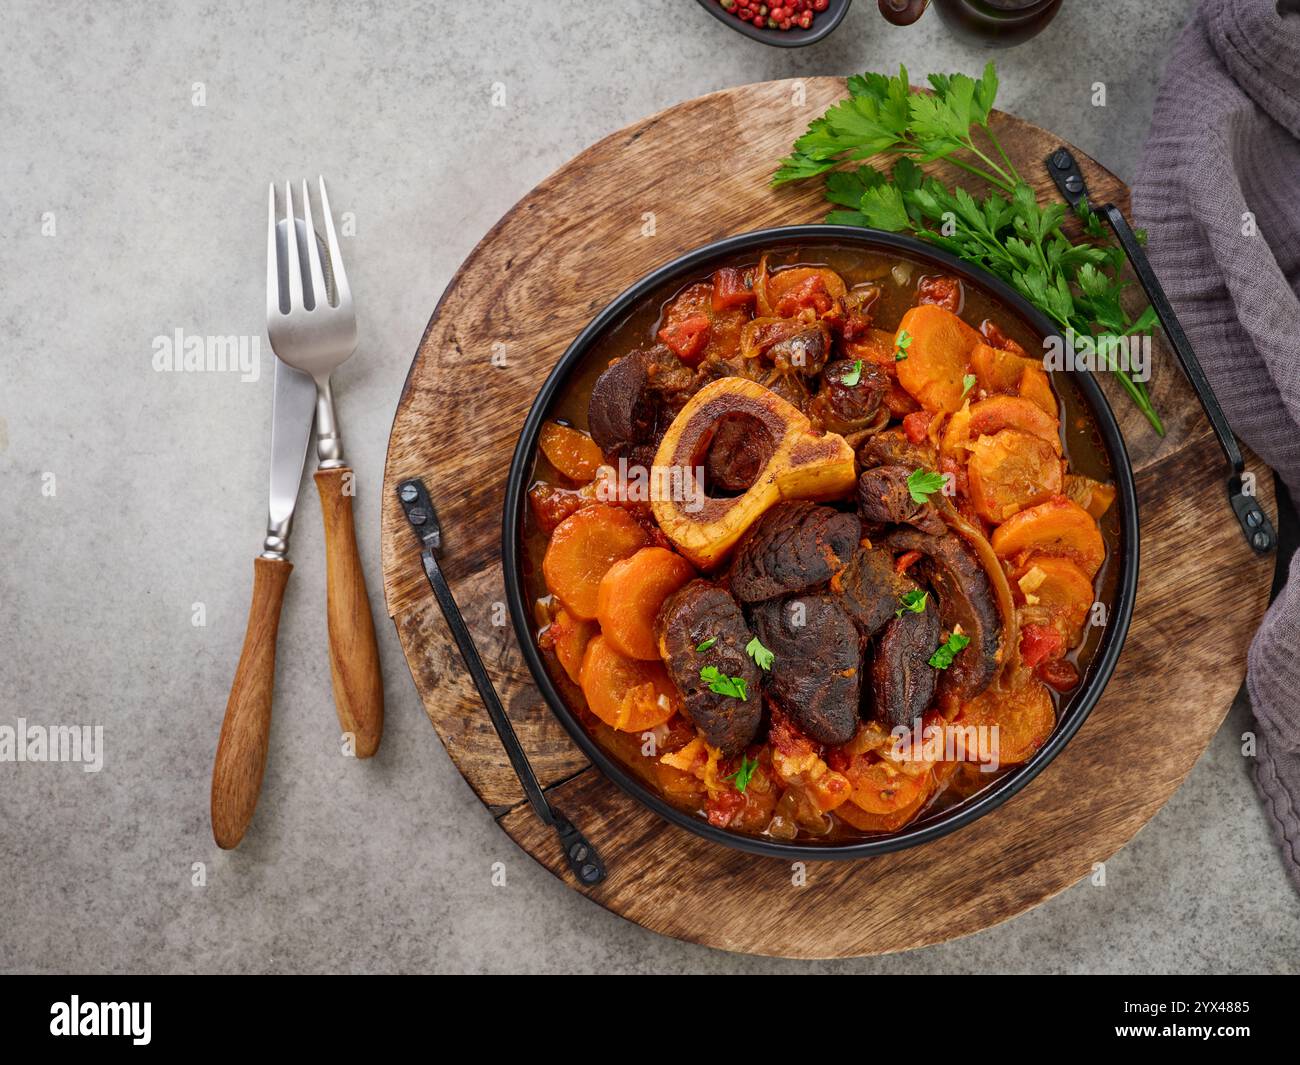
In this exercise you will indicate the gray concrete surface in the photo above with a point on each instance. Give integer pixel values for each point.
(156, 206)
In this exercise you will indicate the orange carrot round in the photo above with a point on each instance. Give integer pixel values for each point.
(1056, 591)
(1037, 388)
(1024, 717)
(1057, 527)
(881, 788)
(570, 637)
(937, 357)
(582, 548)
(853, 814)
(1009, 471)
(998, 370)
(996, 413)
(626, 694)
(571, 451)
(630, 595)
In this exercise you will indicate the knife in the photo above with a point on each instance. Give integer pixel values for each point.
(245, 731)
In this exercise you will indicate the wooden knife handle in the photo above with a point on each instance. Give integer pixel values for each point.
(241, 750)
(354, 654)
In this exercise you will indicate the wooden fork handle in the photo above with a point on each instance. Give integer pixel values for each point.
(354, 654)
(241, 750)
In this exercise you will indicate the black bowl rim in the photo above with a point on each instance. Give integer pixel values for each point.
(1104, 660)
(822, 26)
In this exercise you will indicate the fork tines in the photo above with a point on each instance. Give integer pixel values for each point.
(285, 290)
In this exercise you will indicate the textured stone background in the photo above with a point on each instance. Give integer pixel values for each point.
(160, 478)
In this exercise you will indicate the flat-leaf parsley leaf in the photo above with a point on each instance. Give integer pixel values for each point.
(922, 484)
(942, 658)
(721, 684)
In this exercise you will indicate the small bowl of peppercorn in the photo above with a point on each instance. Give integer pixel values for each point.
(783, 23)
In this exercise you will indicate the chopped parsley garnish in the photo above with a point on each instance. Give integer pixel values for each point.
(761, 655)
(942, 658)
(913, 601)
(744, 774)
(706, 644)
(854, 375)
(901, 343)
(721, 684)
(967, 383)
(922, 484)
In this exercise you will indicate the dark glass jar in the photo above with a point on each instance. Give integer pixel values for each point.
(997, 23)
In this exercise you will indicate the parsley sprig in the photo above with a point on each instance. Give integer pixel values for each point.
(922, 484)
(913, 601)
(1078, 285)
(744, 774)
(947, 651)
(721, 684)
(762, 657)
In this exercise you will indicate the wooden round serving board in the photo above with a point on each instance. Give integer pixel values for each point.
(573, 243)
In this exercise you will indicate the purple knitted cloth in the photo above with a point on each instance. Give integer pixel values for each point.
(1219, 192)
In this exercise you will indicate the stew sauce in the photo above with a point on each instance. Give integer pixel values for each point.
(901, 620)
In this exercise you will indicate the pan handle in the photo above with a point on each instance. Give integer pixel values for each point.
(1255, 524)
(581, 856)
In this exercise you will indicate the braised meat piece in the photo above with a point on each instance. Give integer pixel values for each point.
(902, 679)
(620, 413)
(845, 408)
(816, 672)
(870, 587)
(690, 617)
(636, 398)
(739, 451)
(941, 290)
(966, 601)
(792, 548)
(884, 498)
(892, 448)
(804, 352)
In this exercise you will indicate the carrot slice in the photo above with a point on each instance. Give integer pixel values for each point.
(876, 346)
(570, 637)
(1054, 590)
(1093, 496)
(1057, 527)
(571, 451)
(1037, 388)
(630, 595)
(852, 814)
(996, 413)
(1024, 717)
(881, 788)
(997, 370)
(626, 694)
(582, 548)
(938, 357)
(1010, 471)
(954, 443)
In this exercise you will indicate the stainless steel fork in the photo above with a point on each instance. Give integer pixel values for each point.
(315, 332)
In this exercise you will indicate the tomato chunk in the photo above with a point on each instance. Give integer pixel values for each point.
(916, 425)
(687, 338)
(729, 290)
(1038, 643)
